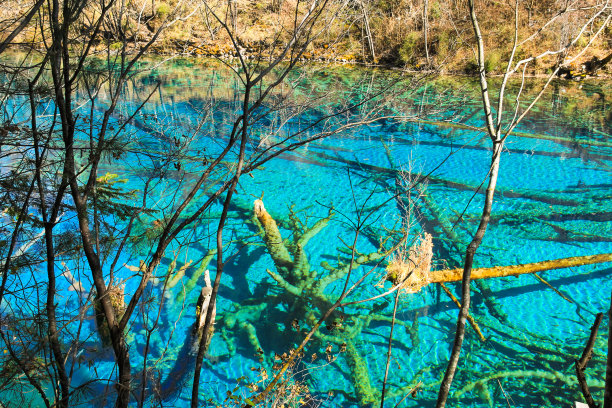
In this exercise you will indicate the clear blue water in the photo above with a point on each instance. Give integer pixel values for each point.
(553, 202)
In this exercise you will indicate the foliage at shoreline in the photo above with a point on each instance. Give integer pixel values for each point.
(409, 34)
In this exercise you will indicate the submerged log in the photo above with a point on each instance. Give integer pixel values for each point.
(456, 185)
(195, 277)
(469, 316)
(455, 275)
(583, 155)
(542, 136)
(273, 239)
(364, 390)
(289, 256)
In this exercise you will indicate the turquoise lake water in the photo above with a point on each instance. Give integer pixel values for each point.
(553, 201)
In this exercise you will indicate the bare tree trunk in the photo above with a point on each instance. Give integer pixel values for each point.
(584, 359)
(389, 349)
(204, 340)
(63, 78)
(608, 385)
(426, 29)
(58, 357)
(233, 12)
(366, 23)
(494, 135)
(530, 13)
(467, 270)
(49, 222)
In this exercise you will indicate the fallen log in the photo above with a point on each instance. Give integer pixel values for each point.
(416, 279)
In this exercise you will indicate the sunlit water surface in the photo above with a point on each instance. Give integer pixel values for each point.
(553, 201)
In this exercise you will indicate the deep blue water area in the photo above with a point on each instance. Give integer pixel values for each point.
(553, 201)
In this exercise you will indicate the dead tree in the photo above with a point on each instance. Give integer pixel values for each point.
(426, 29)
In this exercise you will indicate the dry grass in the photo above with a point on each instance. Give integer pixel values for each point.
(410, 268)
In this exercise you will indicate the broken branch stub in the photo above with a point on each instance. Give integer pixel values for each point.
(272, 237)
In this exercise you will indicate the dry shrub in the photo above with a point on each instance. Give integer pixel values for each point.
(291, 391)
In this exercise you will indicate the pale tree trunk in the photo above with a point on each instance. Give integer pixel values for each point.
(233, 13)
(426, 29)
(530, 13)
(366, 22)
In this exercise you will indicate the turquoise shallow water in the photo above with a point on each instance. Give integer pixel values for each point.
(553, 202)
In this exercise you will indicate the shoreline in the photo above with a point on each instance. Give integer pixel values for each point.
(223, 57)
